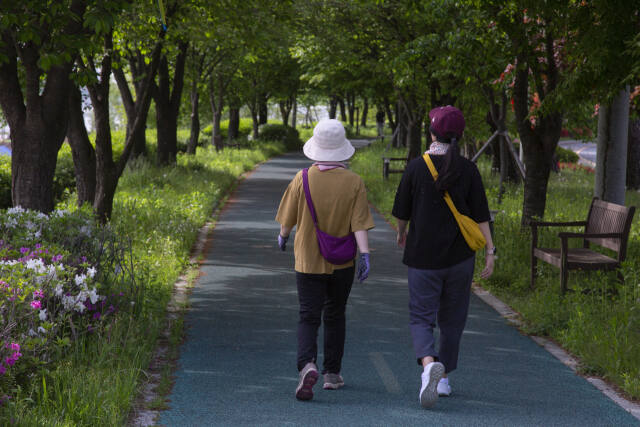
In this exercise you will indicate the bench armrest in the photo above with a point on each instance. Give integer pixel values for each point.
(557, 224)
(565, 236)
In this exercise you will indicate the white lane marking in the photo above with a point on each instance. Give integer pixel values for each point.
(388, 378)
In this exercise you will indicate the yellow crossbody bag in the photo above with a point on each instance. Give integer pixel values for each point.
(468, 227)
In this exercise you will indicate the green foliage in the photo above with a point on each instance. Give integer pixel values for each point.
(566, 156)
(159, 210)
(245, 128)
(275, 132)
(63, 279)
(597, 324)
(5, 181)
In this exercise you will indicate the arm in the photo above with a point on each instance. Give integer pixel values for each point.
(402, 232)
(489, 259)
(285, 230)
(362, 239)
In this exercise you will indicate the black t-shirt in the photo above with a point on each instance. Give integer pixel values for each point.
(380, 117)
(434, 240)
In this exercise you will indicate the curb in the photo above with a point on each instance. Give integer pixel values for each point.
(558, 352)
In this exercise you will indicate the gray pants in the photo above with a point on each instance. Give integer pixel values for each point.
(443, 295)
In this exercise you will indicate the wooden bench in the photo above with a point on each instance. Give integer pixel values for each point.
(607, 225)
(386, 165)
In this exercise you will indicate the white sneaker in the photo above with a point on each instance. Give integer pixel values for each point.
(430, 378)
(444, 389)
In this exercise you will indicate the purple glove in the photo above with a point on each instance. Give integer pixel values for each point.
(282, 242)
(363, 267)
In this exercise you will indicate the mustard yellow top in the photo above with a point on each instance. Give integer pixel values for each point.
(340, 199)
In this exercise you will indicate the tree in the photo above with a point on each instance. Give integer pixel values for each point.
(604, 31)
(97, 81)
(38, 46)
(536, 35)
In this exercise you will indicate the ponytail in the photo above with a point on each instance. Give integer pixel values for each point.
(451, 168)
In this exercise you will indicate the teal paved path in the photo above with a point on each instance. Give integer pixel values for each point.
(237, 366)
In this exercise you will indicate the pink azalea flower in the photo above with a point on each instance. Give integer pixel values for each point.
(38, 294)
(36, 304)
(3, 370)
(15, 346)
(9, 361)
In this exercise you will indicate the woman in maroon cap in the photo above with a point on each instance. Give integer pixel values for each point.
(439, 260)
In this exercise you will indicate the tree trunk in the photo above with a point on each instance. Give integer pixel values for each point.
(168, 96)
(365, 112)
(216, 99)
(34, 154)
(414, 138)
(539, 140)
(84, 156)
(166, 125)
(351, 108)
(538, 169)
(389, 113)
(633, 155)
(234, 124)
(37, 118)
(263, 112)
(343, 114)
(37, 128)
(108, 171)
(107, 175)
(285, 110)
(611, 157)
(294, 116)
(195, 118)
(333, 106)
(255, 123)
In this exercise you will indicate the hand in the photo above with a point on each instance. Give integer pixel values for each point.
(402, 239)
(363, 267)
(489, 260)
(282, 242)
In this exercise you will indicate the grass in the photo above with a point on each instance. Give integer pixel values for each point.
(599, 326)
(160, 209)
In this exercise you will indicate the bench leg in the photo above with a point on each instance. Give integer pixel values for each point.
(534, 263)
(564, 275)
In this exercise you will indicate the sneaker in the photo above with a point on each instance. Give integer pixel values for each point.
(308, 378)
(444, 389)
(430, 378)
(332, 381)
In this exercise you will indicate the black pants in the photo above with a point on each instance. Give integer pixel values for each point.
(323, 297)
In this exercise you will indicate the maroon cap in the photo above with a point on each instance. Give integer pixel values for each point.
(447, 122)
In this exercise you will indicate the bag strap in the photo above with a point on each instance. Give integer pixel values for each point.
(434, 173)
(307, 194)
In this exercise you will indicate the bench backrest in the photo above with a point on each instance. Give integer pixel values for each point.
(606, 217)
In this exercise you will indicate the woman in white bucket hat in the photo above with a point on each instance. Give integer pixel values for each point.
(340, 202)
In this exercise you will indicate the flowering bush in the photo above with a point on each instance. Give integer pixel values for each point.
(56, 282)
(575, 166)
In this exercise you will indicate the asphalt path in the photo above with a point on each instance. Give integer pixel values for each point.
(238, 363)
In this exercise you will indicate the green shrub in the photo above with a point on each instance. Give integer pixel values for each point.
(244, 130)
(62, 277)
(64, 181)
(5, 181)
(566, 156)
(288, 135)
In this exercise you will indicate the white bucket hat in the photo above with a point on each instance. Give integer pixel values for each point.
(328, 143)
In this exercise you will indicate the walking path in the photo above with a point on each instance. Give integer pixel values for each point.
(237, 366)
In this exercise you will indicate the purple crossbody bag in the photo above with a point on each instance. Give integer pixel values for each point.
(336, 250)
